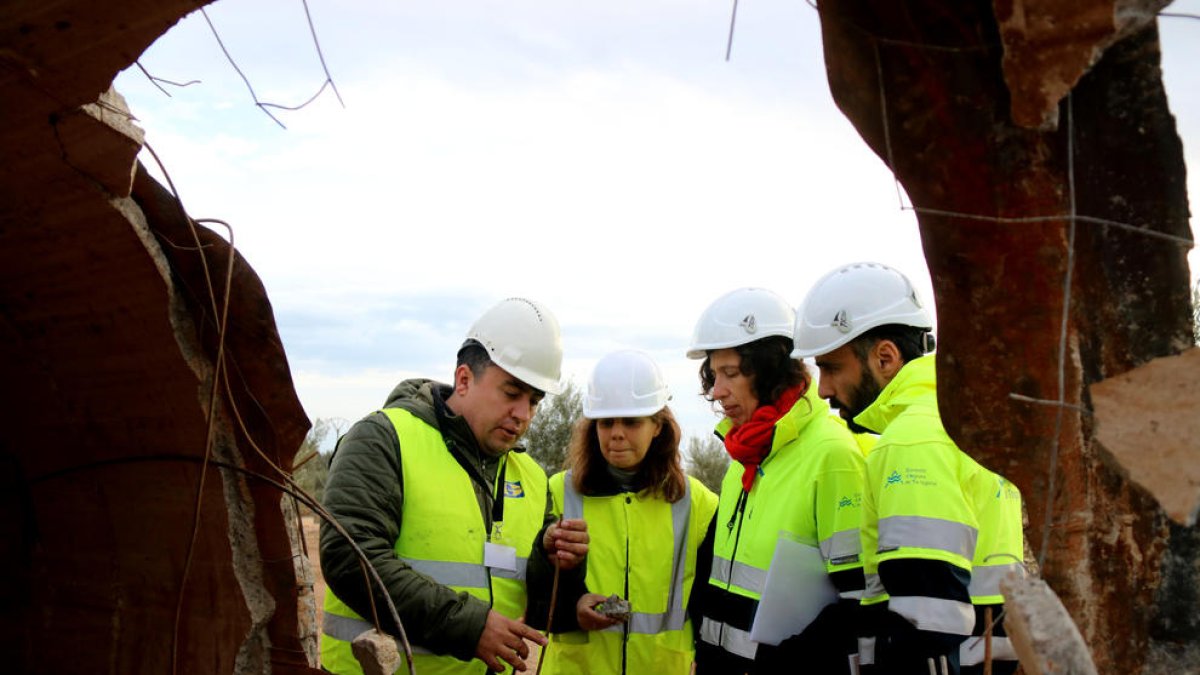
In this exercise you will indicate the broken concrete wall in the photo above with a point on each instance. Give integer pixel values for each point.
(959, 100)
(109, 362)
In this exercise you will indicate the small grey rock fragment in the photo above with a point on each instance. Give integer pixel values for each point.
(614, 607)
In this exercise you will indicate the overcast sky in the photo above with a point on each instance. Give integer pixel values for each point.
(600, 156)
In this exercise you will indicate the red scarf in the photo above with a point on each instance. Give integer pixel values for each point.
(750, 443)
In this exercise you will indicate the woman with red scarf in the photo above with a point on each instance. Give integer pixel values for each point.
(797, 476)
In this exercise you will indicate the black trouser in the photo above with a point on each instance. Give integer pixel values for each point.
(901, 649)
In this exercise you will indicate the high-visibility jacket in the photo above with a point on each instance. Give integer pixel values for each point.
(920, 508)
(643, 549)
(999, 552)
(809, 487)
(443, 536)
(866, 440)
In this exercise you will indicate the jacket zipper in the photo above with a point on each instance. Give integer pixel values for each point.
(738, 511)
(625, 629)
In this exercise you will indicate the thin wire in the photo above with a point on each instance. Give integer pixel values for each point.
(1154, 234)
(550, 613)
(263, 105)
(212, 407)
(155, 80)
(1180, 15)
(297, 107)
(328, 78)
(363, 561)
(218, 370)
(1046, 402)
(729, 44)
(297, 465)
(1062, 338)
(233, 63)
(220, 367)
(887, 134)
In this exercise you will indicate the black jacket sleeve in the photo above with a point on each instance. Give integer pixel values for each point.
(540, 583)
(922, 579)
(699, 596)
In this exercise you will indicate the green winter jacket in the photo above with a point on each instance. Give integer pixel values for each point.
(364, 492)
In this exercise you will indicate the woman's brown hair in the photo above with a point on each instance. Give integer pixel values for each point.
(769, 361)
(660, 472)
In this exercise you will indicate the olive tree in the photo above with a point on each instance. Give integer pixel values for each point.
(550, 431)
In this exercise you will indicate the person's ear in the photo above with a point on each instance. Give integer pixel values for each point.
(886, 360)
(463, 378)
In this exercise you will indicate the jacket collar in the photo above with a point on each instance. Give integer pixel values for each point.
(426, 399)
(916, 382)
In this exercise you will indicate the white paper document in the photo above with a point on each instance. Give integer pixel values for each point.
(796, 590)
(497, 556)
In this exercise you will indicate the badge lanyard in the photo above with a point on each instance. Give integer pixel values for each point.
(497, 554)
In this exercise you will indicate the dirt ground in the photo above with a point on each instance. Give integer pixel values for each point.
(311, 533)
(312, 528)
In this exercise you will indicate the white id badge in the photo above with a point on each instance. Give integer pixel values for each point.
(499, 557)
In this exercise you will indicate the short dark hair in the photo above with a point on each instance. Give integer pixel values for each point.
(661, 470)
(769, 360)
(475, 356)
(912, 342)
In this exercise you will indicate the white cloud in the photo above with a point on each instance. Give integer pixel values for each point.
(601, 157)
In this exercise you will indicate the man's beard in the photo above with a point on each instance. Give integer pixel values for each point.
(862, 396)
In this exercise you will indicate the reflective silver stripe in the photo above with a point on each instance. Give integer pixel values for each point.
(985, 580)
(647, 624)
(866, 651)
(727, 637)
(921, 532)
(675, 616)
(936, 614)
(346, 629)
(850, 595)
(841, 545)
(739, 574)
(720, 569)
(680, 520)
(343, 627)
(572, 500)
(972, 650)
(469, 575)
(874, 587)
(522, 568)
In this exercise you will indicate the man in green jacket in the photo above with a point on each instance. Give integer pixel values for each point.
(925, 501)
(433, 490)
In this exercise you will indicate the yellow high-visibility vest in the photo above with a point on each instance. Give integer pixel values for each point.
(443, 536)
(810, 487)
(642, 549)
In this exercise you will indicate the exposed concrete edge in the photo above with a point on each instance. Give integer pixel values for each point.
(1047, 641)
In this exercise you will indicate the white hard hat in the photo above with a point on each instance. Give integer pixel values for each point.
(741, 316)
(522, 337)
(625, 383)
(850, 301)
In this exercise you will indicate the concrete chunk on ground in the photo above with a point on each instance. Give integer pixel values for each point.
(1045, 638)
(376, 652)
